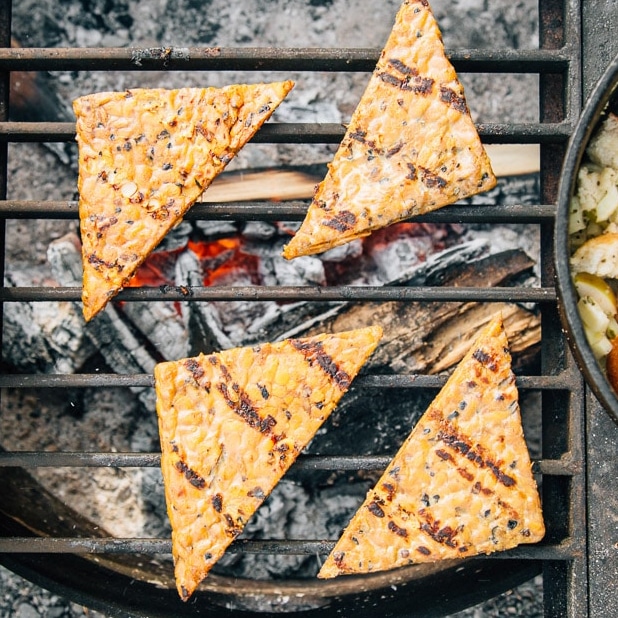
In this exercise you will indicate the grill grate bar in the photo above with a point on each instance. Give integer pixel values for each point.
(294, 293)
(265, 59)
(561, 381)
(39, 459)
(94, 545)
(306, 132)
(292, 211)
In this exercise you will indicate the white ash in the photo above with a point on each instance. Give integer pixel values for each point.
(202, 320)
(131, 337)
(293, 512)
(45, 337)
(259, 230)
(514, 190)
(88, 420)
(299, 272)
(350, 250)
(217, 228)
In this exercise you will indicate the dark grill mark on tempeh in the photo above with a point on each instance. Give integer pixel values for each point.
(256, 492)
(194, 368)
(412, 83)
(358, 135)
(243, 406)
(233, 529)
(444, 536)
(411, 175)
(431, 179)
(402, 68)
(342, 222)
(217, 502)
(111, 221)
(467, 475)
(375, 509)
(394, 150)
(442, 454)
(314, 353)
(478, 488)
(264, 391)
(204, 132)
(487, 360)
(398, 530)
(96, 261)
(392, 80)
(453, 99)
(193, 477)
(505, 479)
(389, 488)
(476, 456)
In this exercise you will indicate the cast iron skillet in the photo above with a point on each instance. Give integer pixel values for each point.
(604, 97)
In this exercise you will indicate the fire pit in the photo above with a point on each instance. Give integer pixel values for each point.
(78, 427)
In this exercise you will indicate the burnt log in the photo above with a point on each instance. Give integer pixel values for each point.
(432, 337)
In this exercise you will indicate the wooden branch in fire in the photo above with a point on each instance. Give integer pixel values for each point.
(298, 184)
(433, 337)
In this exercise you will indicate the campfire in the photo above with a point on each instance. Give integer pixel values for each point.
(421, 337)
(131, 337)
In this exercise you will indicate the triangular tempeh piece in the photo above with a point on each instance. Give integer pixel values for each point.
(410, 147)
(145, 157)
(460, 485)
(232, 423)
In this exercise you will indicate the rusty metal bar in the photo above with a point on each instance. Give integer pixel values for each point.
(38, 459)
(564, 596)
(560, 381)
(294, 293)
(294, 210)
(306, 133)
(263, 59)
(97, 545)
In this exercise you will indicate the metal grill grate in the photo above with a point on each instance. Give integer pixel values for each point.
(561, 557)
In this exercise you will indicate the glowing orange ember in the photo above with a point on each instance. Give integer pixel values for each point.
(404, 229)
(223, 261)
(157, 270)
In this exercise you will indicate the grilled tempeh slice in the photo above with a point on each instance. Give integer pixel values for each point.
(145, 157)
(232, 423)
(460, 485)
(410, 147)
